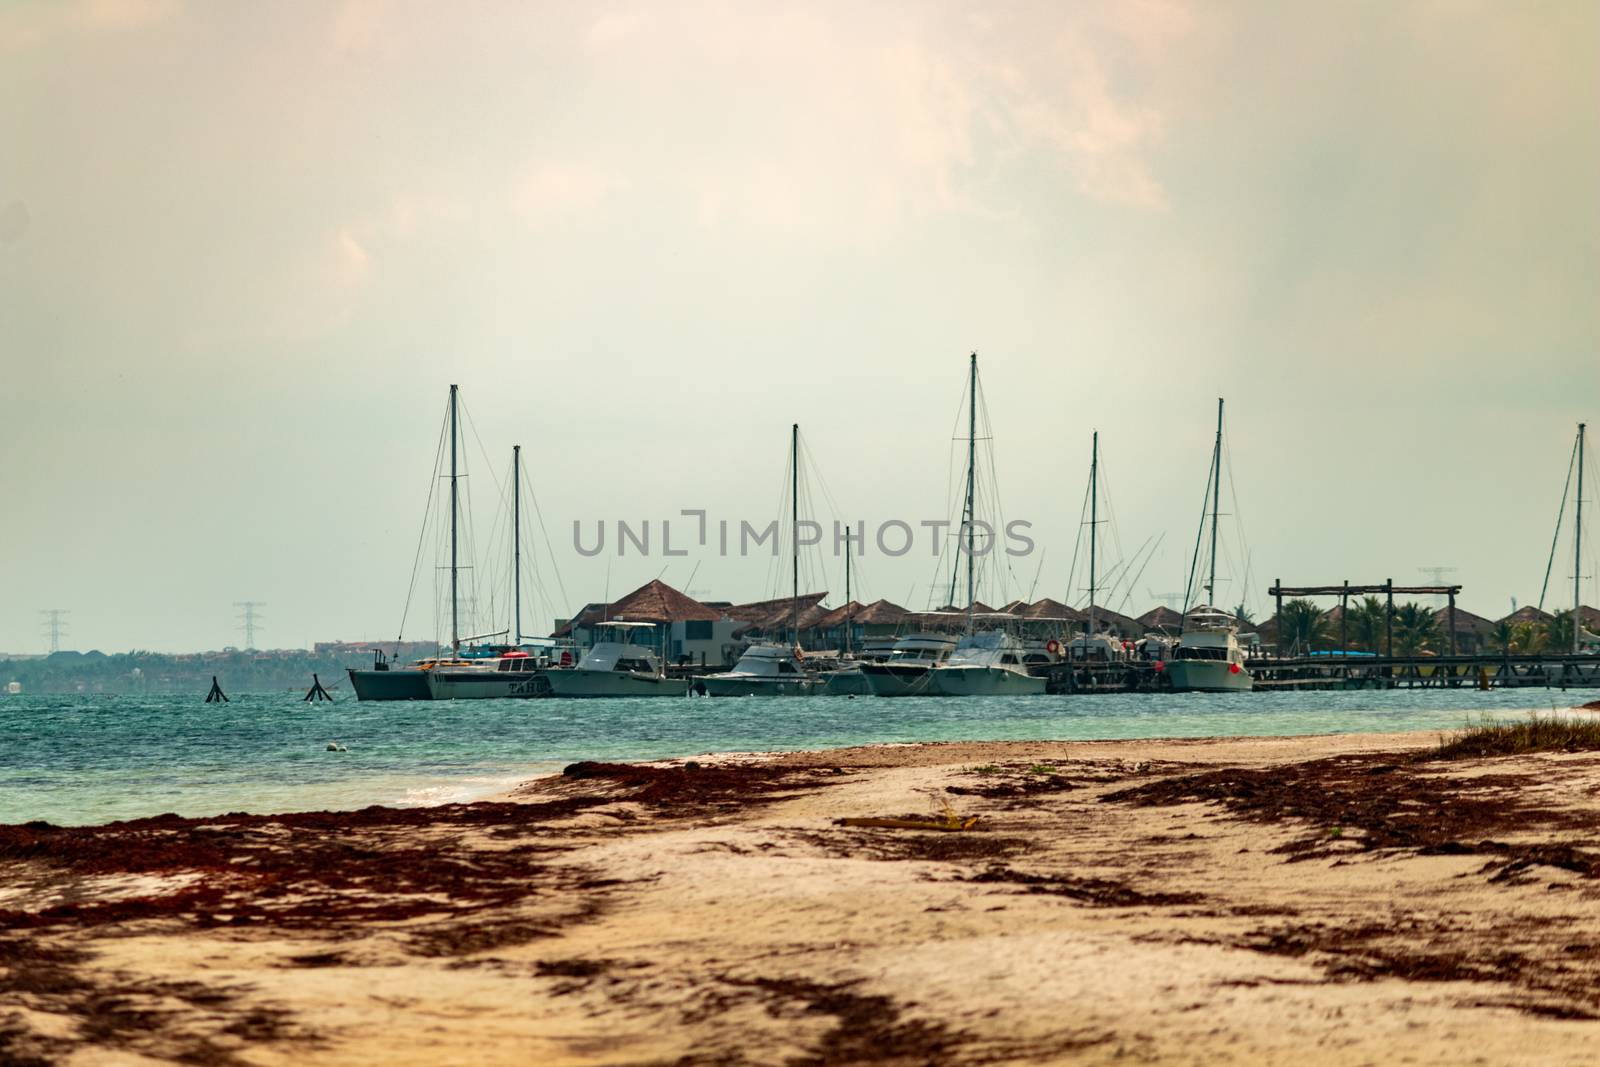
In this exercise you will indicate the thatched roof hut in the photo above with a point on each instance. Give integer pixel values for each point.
(1466, 623)
(882, 613)
(778, 614)
(877, 619)
(1048, 610)
(654, 601)
(1529, 614)
(877, 613)
(1124, 625)
(1162, 618)
(839, 615)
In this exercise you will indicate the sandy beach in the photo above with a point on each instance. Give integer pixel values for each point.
(1340, 900)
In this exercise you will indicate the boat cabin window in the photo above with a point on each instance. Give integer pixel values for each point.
(637, 666)
(1197, 652)
(785, 667)
(1008, 658)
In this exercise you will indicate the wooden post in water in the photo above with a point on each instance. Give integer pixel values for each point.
(216, 696)
(1452, 618)
(1344, 621)
(316, 692)
(1277, 589)
(1388, 620)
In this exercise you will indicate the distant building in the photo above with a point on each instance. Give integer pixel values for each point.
(1162, 618)
(403, 651)
(774, 620)
(1529, 614)
(1047, 619)
(874, 622)
(1472, 631)
(687, 630)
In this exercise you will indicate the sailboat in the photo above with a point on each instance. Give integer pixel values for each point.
(846, 679)
(518, 670)
(384, 682)
(771, 669)
(1207, 657)
(988, 662)
(1580, 636)
(1093, 644)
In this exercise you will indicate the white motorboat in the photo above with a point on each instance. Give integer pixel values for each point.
(986, 663)
(848, 679)
(763, 670)
(1096, 648)
(906, 670)
(1207, 657)
(619, 667)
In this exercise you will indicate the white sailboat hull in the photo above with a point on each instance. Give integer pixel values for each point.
(488, 685)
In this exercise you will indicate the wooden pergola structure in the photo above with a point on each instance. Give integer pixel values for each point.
(1388, 589)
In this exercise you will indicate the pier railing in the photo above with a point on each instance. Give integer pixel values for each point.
(1480, 671)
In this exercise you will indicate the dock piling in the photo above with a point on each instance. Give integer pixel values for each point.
(216, 696)
(316, 692)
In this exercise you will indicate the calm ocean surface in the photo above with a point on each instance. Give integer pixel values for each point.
(75, 760)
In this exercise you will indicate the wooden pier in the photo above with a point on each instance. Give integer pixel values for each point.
(1485, 671)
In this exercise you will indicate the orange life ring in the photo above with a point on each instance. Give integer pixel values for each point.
(1053, 646)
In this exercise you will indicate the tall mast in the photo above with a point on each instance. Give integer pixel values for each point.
(455, 618)
(972, 470)
(516, 540)
(1216, 506)
(1577, 550)
(794, 524)
(1094, 517)
(849, 612)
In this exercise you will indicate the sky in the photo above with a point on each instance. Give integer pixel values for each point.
(245, 249)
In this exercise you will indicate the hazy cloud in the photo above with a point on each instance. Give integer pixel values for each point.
(244, 249)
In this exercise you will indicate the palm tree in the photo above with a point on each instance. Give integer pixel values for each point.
(1242, 615)
(1530, 638)
(1300, 626)
(1503, 638)
(1366, 624)
(1415, 628)
(1559, 633)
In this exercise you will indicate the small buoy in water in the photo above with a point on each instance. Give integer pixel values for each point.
(334, 746)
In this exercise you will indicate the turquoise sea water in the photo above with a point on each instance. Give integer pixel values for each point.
(77, 760)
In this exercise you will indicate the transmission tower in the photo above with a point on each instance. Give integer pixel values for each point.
(1436, 575)
(1171, 600)
(249, 619)
(54, 626)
